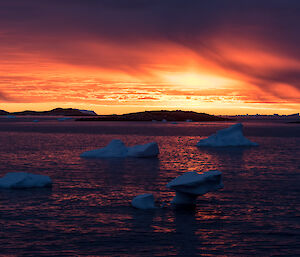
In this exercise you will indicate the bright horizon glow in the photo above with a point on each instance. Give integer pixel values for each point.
(225, 69)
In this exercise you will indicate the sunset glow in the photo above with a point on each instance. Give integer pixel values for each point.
(120, 68)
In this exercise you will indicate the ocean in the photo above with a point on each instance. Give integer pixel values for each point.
(88, 210)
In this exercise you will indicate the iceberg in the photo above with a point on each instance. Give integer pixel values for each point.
(116, 148)
(192, 184)
(232, 136)
(24, 180)
(146, 150)
(144, 201)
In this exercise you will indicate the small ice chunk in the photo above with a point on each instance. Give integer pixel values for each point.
(24, 180)
(192, 184)
(146, 150)
(232, 136)
(144, 201)
(116, 148)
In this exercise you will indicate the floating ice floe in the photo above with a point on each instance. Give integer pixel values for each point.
(164, 120)
(232, 136)
(192, 184)
(116, 148)
(24, 180)
(144, 201)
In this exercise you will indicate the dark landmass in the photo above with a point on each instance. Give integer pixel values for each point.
(54, 112)
(158, 116)
(3, 112)
(274, 117)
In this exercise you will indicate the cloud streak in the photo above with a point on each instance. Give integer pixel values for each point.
(255, 43)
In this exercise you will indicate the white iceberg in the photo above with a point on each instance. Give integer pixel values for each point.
(24, 180)
(232, 136)
(116, 148)
(192, 184)
(144, 201)
(146, 150)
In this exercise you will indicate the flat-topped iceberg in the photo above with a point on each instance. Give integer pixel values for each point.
(24, 180)
(144, 201)
(232, 136)
(116, 148)
(192, 184)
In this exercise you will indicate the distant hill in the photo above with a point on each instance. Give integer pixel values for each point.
(59, 112)
(158, 116)
(4, 112)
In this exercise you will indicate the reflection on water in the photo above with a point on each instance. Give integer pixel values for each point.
(88, 212)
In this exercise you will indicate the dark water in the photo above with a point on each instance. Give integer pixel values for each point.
(88, 212)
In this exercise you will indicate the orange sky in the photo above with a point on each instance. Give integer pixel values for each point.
(235, 74)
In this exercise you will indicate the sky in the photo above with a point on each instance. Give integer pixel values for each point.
(119, 56)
